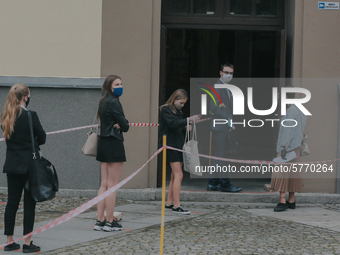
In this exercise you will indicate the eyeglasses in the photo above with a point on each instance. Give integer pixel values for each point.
(226, 72)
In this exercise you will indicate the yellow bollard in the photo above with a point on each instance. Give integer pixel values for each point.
(163, 195)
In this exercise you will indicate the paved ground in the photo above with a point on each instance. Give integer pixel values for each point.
(214, 228)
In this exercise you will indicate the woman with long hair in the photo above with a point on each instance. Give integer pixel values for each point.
(110, 152)
(173, 124)
(15, 126)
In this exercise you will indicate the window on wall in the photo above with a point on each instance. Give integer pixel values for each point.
(178, 6)
(265, 7)
(240, 7)
(204, 6)
(189, 6)
(222, 8)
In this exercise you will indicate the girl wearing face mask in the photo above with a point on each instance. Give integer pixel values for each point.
(110, 151)
(172, 124)
(16, 130)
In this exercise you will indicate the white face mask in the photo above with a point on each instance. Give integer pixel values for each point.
(226, 78)
(178, 105)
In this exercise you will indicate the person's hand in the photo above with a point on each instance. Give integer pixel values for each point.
(116, 126)
(283, 153)
(194, 118)
(189, 128)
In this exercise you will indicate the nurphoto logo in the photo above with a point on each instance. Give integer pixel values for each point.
(238, 104)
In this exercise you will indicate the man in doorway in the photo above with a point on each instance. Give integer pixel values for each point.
(220, 132)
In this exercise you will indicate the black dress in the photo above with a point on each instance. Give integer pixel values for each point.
(173, 126)
(110, 144)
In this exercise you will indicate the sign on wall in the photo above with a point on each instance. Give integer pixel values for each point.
(328, 5)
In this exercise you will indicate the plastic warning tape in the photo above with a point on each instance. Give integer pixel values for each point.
(254, 162)
(92, 126)
(87, 205)
(144, 124)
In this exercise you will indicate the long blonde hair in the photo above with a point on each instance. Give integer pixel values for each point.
(16, 93)
(177, 95)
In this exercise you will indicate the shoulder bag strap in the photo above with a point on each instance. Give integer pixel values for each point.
(32, 135)
(194, 134)
(94, 121)
(187, 131)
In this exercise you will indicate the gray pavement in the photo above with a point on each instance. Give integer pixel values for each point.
(212, 228)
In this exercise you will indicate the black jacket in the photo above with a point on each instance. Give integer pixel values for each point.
(111, 113)
(173, 126)
(19, 146)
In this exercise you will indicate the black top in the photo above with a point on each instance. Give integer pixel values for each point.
(19, 147)
(111, 113)
(173, 126)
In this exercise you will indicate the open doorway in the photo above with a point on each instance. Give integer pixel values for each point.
(198, 53)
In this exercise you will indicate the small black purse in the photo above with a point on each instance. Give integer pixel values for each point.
(42, 177)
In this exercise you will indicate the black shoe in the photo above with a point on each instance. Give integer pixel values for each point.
(214, 187)
(280, 207)
(99, 225)
(180, 210)
(112, 226)
(11, 247)
(291, 205)
(169, 206)
(231, 188)
(30, 248)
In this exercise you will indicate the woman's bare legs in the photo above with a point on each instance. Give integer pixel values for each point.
(291, 198)
(115, 171)
(170, 193)
(102, 189)
(176, 176)
(282, 197)
(110, 175)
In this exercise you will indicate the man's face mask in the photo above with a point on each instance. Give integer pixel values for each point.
(227, 77)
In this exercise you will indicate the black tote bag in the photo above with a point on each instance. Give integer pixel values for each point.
(42, 177)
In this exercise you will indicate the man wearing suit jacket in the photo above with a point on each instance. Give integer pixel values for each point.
(220, 132)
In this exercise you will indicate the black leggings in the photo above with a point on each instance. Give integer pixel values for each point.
(15, 185)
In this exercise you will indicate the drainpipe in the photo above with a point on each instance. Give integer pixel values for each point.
(337, 184)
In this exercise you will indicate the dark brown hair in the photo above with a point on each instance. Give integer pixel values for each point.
(226, 65)
(107, 88)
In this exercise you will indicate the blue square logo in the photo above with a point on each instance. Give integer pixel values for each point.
(321, 5)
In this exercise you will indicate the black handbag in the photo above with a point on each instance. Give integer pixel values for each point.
(42, 177)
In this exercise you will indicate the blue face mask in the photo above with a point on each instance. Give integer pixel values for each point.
(117, 92)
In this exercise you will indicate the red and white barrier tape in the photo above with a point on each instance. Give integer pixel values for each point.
(253, 162)
(201, 120)
(89, 126)
(144, 124)
(87, 205)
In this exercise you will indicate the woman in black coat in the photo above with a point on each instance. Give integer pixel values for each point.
(173, 124)
(110, 151)
(14, 123)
